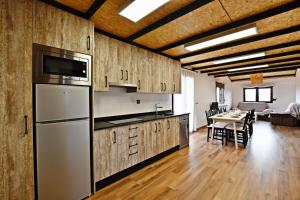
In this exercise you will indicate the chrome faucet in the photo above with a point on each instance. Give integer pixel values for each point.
(156, 107)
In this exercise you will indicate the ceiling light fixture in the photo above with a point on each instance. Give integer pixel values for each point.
(245, 57)
(245, 68)
(196, 45)
(140, 8)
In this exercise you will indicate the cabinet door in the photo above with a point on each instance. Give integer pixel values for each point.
(142, 143)
(101, 63)
(176, 77)
(102, 146)
(144, 72)
(130, 70)
(114, 138)
(169, 134)
(149, 137)
(57, 28)
(16, 154)
(160, 143)
(176, 129)
(123, 147)
(157, 67)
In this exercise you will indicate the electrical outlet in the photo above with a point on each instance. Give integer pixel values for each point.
(138, 101)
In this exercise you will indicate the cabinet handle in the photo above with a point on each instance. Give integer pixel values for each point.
(122, 74)
(126, 75)
(161, 86)
(169, 125)
(174, 87)
(106, 82)
(133, 128)
(88, 42)
(26, 126)
(155, 128)
(133, 145)
(132, 136)
(139, 84)
(159, 126)
(165, 86)
(133, 153)
(115, 137)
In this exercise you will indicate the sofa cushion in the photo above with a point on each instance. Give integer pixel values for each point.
(257, 106)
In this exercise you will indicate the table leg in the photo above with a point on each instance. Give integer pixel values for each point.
(213, 129)
(235, 135)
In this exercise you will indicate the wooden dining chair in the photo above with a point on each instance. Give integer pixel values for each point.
(242, 132)
(219, 127)
(251, 122)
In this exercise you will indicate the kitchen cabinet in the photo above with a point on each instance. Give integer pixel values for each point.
(171, 132)
(16, 135)
(144, 72)
(102, 61)
(176, 77)
(57, 28)
(123, 148)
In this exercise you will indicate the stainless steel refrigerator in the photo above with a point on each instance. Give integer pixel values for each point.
(62, 142)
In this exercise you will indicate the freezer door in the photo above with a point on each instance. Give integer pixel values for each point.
(61, 102)
(63, 160)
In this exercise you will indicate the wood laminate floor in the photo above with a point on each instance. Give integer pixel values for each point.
(269, 168)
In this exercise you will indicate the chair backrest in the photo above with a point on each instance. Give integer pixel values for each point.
(252, 117)
(214, 106)
(209, 114)
(246, 122)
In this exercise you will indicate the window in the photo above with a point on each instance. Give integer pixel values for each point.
(258, 94)
(220, 93)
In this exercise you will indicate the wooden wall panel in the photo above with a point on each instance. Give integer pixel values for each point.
(80, 5)
(203, 19)
(107, 18)
(16, 147)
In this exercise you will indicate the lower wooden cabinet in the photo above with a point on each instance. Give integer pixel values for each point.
(116, 149)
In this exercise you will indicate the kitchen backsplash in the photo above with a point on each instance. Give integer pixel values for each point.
(118, 102)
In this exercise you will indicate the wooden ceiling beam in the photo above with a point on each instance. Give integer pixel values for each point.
(253, 51)
(262, 70)
(250, 65)
(251, 19)
(253, 59)
(265, 77)
(94, 7)
(243, 41)
(175, 15)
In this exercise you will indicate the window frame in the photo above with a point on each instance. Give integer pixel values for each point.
(257, 94)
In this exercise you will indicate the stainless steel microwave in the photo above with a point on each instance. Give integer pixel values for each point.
(59, 66)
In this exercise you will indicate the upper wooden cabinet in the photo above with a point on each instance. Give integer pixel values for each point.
(16, 133)
(57, 28)
(176, 71)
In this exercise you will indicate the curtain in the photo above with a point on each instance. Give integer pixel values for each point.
(185, 101)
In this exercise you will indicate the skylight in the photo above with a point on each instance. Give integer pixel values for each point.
(140, 8)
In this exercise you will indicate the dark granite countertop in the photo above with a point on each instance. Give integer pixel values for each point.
(106, 122)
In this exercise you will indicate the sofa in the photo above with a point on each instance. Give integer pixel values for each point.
(262, 110)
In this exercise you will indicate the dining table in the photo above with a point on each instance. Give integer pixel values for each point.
(232, 117)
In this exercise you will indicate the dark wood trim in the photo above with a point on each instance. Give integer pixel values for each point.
(177, 14)
(253, 59)
(94, 7)
(249, 65)
(257, 94)
(64, 7)
(243, 41)
(111, 179)
(268, 48)
(262, 70)
(265, 77)
(130, 42)
(251, 19)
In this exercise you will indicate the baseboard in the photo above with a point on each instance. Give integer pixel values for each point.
(109, 180)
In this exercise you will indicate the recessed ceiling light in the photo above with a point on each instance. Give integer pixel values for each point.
(257, 55)
(222, 39)
(140, 8)
(245, 68)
